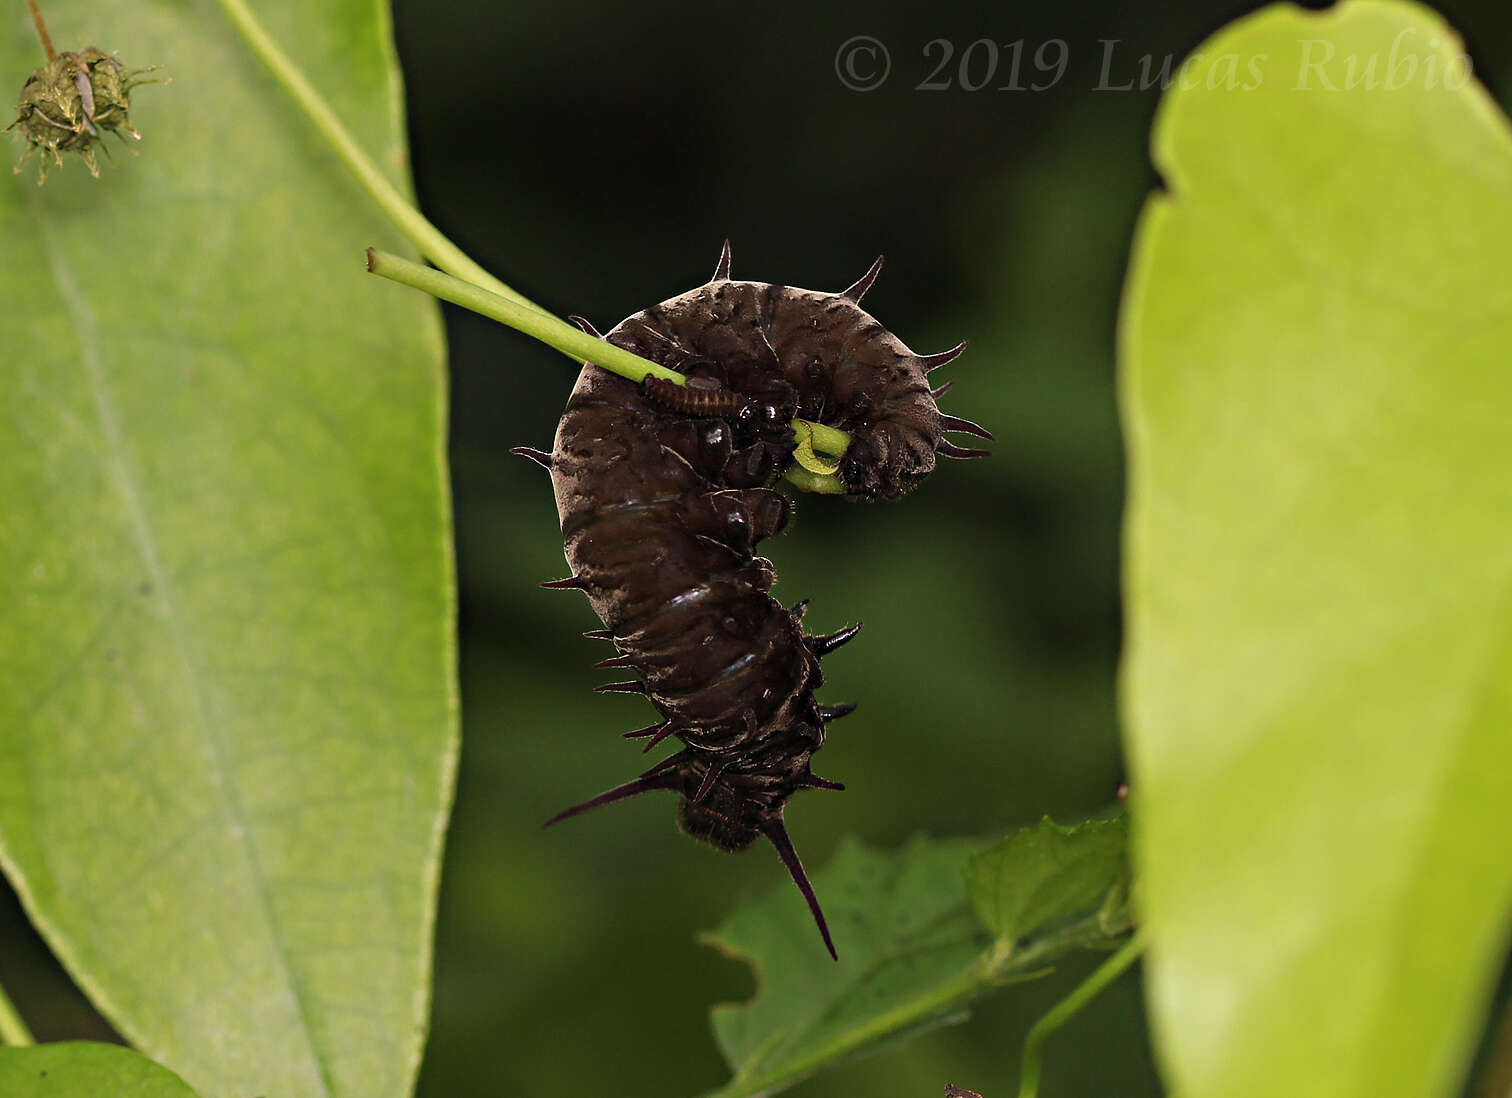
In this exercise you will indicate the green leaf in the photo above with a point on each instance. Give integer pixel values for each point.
(85, 1070)
(227, 711)
(1319, 675)
(907, 943)
(912, 955)
(1041, 875)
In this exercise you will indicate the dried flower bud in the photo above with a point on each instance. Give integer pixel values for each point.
(68, 103)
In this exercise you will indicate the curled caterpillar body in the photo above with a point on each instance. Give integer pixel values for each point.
(664, 493)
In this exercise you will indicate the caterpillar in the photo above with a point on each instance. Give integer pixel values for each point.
(664, 491)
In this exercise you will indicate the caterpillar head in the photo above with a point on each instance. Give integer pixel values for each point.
(844, 368)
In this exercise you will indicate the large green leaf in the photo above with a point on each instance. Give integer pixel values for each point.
(226, 659)
(85, 1070)
(1318, 688)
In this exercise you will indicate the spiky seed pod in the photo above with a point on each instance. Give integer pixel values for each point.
(664, 493)
(69, 103)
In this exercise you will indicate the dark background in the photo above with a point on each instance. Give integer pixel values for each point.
(595, 159)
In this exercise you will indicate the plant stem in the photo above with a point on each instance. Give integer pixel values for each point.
(452, 259)
(13, 1030)
(548, 329)
(577, 345)
(1068, 1007)
(47, 46)
(431, 242)
(935, 1003)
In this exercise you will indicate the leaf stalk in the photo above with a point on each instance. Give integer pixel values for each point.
(435, 246)
(431, 242)
(1067, 1008)
(47, 46)
(581, 346)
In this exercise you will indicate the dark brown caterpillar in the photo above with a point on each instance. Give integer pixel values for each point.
(664, 493)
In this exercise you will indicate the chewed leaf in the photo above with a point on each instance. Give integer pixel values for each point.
(1318, 683)
(85, 1070)
(1042, 874)
(808, 458)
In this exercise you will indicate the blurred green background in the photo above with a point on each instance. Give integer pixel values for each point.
(596, 159)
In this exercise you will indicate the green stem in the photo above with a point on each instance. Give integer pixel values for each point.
(932, 1004)
(548, 329)
(444, 254)
(410, 221)
(13, 1030)
(1067, 1008)
(578, 345)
